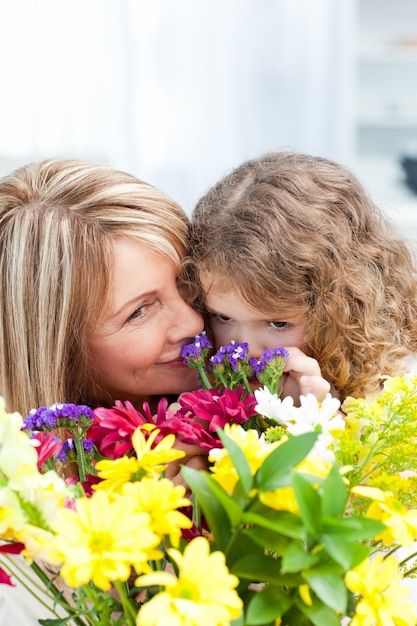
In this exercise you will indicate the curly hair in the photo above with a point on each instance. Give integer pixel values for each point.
(294, 232)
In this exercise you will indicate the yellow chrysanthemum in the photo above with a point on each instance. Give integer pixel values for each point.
(18, 455)
(383, 601)
(12, 517)
(149, 461)
(284, 499)
(160, 499)
(39, 544)
(401, 523)
(254, 447)
(115, 474)
(102, 539)
(203, 593)
(400, 384)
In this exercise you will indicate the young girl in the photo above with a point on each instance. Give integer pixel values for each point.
(290, 251)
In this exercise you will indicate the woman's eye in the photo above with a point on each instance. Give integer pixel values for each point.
(279, 325)
(140, 311)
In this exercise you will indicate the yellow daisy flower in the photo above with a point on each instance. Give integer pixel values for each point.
(160, 499)
(149, 461)
(383, 601)
(401, 523)
(203, 593)
(254, 447)
(102, 539)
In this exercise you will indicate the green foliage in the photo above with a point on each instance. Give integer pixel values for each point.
(278, 553)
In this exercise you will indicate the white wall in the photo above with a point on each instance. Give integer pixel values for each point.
(175, 91)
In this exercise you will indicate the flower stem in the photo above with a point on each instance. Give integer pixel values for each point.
(128, 608)
(82, 467)
(204, 379)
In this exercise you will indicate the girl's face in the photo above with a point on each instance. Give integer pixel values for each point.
(136, 342)
(231, 319)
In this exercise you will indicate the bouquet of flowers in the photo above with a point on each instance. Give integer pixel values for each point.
(298, 519)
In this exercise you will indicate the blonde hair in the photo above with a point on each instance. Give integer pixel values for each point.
(292, 232)
(58, 221)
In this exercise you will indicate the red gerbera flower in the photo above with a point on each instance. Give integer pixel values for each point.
(218, 407)
(113, 428)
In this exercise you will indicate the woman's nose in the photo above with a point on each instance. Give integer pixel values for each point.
(187, 322)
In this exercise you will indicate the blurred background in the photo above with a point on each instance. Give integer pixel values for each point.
(178, 92)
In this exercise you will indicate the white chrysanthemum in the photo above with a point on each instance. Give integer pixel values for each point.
(314, 415)
(322, 417)
(271, 406)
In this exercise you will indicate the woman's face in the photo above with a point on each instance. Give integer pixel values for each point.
(136, 342)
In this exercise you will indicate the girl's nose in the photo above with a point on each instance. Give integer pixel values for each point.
(245, 335)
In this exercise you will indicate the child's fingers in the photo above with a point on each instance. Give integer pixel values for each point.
(298, 361)
(317, 385)
(304, 376)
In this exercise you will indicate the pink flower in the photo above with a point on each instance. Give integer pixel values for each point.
(218, 407)
(113, 430)
(90, 480)
(49, 446)
(9, 548)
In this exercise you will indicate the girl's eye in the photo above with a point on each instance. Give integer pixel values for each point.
(221, 318)
(279, 325)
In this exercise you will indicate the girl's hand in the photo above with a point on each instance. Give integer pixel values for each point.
(302, 375)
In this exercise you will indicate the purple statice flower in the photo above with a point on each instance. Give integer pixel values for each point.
(230, 366)
(56, 415)
(68, 449)
(270, 367)
(269, 354)
(230, 353)
(88, 445)
(197, 349)
(62, 456)
(239, 353)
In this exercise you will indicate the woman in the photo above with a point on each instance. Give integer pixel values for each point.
(90, 293)
(91, 299)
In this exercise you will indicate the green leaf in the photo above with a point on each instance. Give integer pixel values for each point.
(267, 539)
(216, 515)
(266, 605)
(320, 615)
(242, 544)
(283, 522)
(353, 528)
(296, 558)
(239, 461)
(232, 508)
(339, 549)
(334, 494)
(279, 463)
(329, 586)
(263, 568)
(309, 503)
(359, 554)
